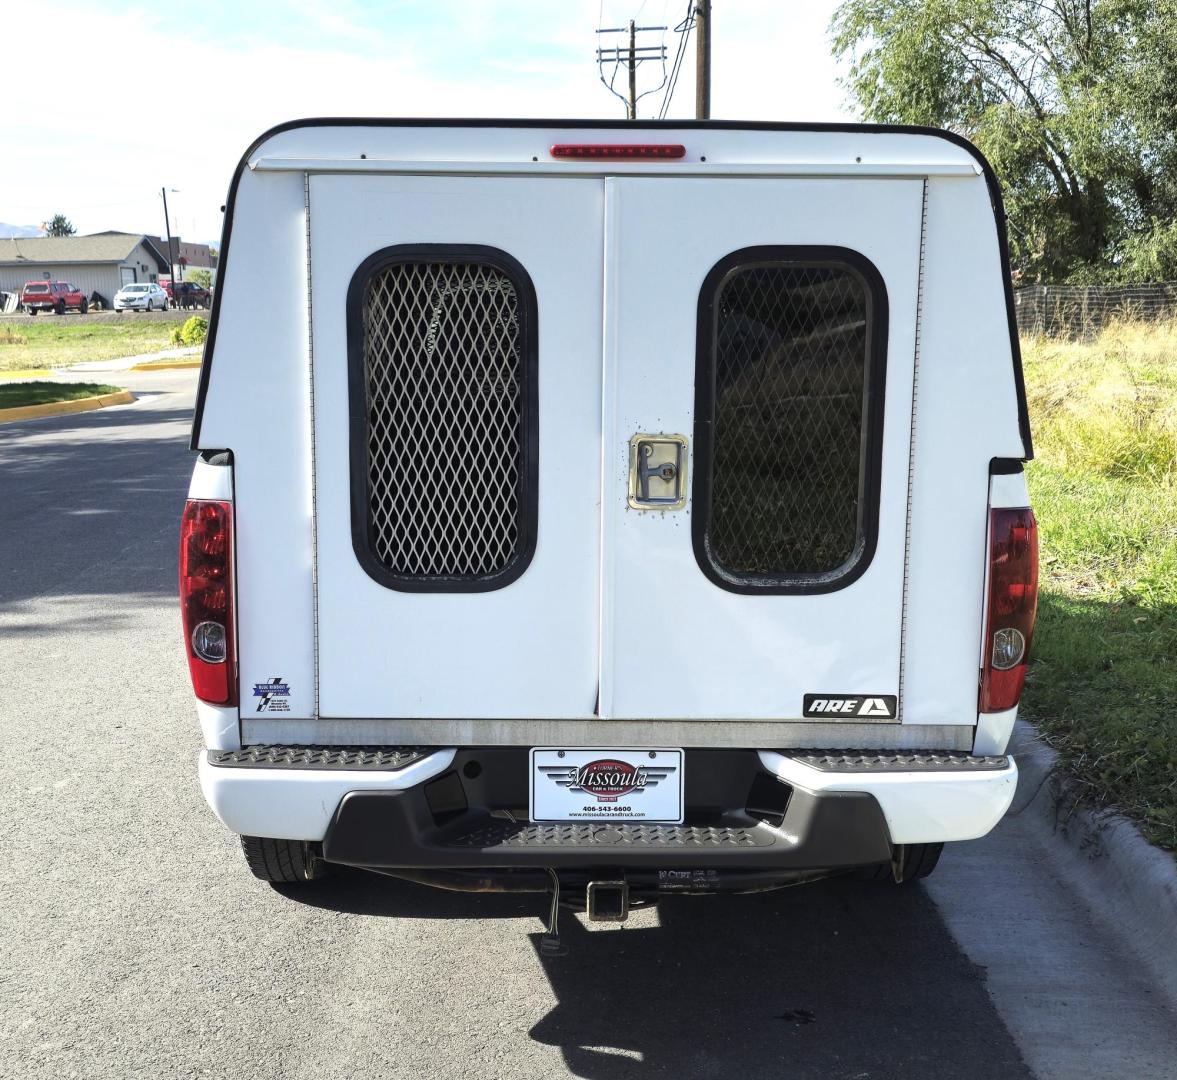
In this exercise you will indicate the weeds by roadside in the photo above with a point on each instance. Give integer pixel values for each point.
(1103, 684)
(193, 332)
(48, 342)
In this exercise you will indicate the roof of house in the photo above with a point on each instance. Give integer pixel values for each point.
(109, 247)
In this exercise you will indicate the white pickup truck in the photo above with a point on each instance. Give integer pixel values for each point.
(628, 508)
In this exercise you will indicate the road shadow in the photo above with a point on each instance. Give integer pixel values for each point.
(840, 980)
(92, 504)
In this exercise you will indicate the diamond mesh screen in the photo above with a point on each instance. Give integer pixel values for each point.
(443, 385)
(788, 439)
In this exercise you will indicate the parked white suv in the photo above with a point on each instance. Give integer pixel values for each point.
(147, 296)
(624, 508)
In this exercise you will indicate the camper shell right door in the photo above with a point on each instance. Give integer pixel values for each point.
(771, 322)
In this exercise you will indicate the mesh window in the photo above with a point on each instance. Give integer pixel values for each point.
(446, 385)
(786, 370)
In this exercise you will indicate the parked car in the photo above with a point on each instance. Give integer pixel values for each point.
(187, 294)
(55, 296)
(724, 582)
(145, 296)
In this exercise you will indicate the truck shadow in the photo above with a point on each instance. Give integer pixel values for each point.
(839, 979)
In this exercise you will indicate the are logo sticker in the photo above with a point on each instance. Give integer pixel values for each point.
(845, 706)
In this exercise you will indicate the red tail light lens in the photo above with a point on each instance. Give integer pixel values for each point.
(620, 151)
(1013, 601)
(206, 599)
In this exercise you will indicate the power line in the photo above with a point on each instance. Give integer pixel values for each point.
(683, 29)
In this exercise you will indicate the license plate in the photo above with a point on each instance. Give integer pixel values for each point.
(606, 785)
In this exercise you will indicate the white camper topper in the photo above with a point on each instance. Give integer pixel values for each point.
(658, 482)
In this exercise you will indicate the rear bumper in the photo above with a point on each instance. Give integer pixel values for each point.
(437, 811)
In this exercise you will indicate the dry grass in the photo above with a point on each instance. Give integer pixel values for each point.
(1107, 406)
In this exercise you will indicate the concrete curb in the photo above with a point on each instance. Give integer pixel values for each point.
(1132, 884)
(62, 408)
(169, 366)
(27, 373)
(125, 363)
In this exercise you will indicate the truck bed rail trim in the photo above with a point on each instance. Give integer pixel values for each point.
(734, 733)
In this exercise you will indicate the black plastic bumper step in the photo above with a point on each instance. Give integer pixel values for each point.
(897, 760)
(362, 758)
(505, 834)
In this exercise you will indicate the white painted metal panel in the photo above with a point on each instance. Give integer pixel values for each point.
(967, 415)
(674, 644)
(527, 649)
(258, 406)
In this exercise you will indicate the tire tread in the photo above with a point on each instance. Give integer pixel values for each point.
(281, 861)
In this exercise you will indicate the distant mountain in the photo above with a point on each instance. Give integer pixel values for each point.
(20, 232)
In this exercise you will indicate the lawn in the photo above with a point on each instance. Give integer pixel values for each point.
(42, 393)
(1103, 681)
(50, 342)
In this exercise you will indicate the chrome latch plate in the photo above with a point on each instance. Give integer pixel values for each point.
(658, 472)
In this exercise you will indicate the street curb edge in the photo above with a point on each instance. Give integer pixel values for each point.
(1102, 855)
(62, 408)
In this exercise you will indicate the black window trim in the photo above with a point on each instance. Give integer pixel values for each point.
(528, 310)
(870, 470)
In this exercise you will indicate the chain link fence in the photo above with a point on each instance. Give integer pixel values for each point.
(1081, 311)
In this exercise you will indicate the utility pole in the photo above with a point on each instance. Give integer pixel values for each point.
(168, 228)
(630, 57)
(631, 113)
(703, 60)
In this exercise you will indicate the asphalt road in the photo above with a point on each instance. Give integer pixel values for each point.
(133, 942)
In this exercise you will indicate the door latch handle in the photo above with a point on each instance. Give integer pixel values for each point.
(657, 472)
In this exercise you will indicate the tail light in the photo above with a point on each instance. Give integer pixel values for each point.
(1013, 600)
(206, 599)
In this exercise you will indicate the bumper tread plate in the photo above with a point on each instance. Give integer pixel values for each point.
(620, 834)
(856, 761)
(362, 758)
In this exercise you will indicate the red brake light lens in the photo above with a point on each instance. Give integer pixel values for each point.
(206, 599)
(620, 151)
(1013, 602)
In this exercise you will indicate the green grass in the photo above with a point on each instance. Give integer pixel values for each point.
(42, 393)
(50, 342)
(1103, 681)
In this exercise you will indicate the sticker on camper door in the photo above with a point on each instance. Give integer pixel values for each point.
(844, 706)
(273, 695)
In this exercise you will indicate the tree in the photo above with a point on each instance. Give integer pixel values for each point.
(1074, 102)
(201, 277)
(60, 225)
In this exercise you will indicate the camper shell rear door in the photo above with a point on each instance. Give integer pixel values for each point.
(482, 560)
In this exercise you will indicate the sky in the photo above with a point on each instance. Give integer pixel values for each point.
(111, 141)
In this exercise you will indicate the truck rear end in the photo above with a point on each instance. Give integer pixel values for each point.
(634, 507)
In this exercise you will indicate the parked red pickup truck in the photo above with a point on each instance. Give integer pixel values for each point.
(55, 296)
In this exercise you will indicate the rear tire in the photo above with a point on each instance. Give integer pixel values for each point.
(282, 861)
(919, 860)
